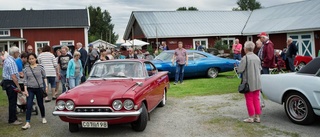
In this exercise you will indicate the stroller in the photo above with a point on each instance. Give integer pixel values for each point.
(22, 103)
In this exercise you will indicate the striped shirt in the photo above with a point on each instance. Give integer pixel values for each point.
(9, 68)
(49, 62)
(30, 81)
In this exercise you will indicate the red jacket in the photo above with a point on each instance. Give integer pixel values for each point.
(268, 55)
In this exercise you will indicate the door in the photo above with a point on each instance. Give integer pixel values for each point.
(304, 43)
(191, 69)
(154, 96)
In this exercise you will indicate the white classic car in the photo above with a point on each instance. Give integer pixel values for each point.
(299, 92)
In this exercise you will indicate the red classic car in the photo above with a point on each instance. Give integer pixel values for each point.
(118, 91)
(301, 61)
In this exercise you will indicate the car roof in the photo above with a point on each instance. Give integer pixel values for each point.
(196, 51)
(59, 46)
(125, 60)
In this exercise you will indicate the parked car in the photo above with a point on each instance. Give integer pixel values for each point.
(301, 61)
(298, 91)
(199, 64)
(56, 47)
(117, 91)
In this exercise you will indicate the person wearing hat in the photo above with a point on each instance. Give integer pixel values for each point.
(266, 53)
(148, 56)
(93, 56)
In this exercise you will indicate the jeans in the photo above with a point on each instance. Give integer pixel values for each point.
(12, 97)
(39, 97)
(74, 81)
(265, 70)
(179, 73)
(237, 56)
(291, 64)
(253, 103)
(63, 75)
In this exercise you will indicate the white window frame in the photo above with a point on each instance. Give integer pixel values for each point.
(36, 45)
(249, 37)
(4, 35)
(204, 39)
(66, 41)
(228, 39)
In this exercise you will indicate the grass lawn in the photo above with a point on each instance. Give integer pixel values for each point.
(224, 83)
(3, 94)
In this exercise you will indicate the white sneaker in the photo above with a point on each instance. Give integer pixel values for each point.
(44, 121)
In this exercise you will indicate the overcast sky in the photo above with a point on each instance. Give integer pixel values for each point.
(120, 10)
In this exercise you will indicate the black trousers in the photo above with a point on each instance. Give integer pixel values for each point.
(12, 97)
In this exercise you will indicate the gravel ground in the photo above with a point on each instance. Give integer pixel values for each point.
(218, 115)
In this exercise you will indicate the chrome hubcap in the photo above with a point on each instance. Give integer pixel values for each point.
(213, 72)
(297, 108)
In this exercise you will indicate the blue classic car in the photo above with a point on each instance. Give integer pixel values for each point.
(199, 64)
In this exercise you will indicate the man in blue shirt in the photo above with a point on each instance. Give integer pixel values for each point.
(199, 47)
(10, 76)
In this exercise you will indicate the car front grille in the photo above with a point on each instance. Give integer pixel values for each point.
(93, 109)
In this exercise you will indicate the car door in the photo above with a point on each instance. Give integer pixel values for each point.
(201, 62)
(191, 69)
(154, 90)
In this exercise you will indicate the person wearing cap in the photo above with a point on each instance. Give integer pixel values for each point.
(93, 57)
(148, 56)
(266, 53)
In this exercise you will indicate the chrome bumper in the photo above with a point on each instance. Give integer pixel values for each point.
(96, 114)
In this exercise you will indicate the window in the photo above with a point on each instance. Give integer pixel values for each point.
(203, 42)
(229, 41)
(67, 42)
(40, 44)
(198, 56)
(190, 56)
(4, 33)
(150, 69)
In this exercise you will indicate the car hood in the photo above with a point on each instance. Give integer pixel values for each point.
(102, 92)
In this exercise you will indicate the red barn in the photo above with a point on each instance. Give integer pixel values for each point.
(43, 27)
(298, 20)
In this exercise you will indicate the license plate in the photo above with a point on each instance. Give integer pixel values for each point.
(94, 124)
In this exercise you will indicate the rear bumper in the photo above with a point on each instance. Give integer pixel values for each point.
(96, 114)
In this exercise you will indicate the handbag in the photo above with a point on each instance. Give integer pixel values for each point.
(44, 93)
(244, 87)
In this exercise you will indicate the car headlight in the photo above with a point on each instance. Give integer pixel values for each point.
(128, 104)
(61, 105)
(69, 105)
(117, 104)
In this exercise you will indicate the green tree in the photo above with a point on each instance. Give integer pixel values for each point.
(193, 8)
(247, 5)
(189, 9)
(101, 26)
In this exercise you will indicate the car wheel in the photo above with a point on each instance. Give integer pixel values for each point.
(164, 99)
(73, 127)
(141, 123)
(298, 109)
(212, 72)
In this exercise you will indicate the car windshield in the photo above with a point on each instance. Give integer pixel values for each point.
(117, 70)
(312, 67)
(164, 56)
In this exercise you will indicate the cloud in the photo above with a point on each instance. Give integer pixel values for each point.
(120, 10)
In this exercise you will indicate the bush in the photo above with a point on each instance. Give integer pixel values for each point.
(219, 45)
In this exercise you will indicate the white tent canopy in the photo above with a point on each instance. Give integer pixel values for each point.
(135, 42)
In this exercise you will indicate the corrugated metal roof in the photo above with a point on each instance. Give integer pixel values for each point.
(191, 23)
(297, 16)
(291, 17)
(43, 18)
